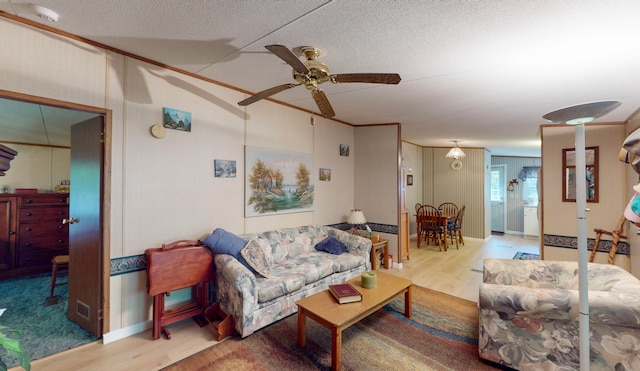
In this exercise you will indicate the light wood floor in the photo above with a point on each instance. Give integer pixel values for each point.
(456, 272)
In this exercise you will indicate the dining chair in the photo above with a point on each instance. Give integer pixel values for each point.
(457, 228)
(430, 225)
(450, 210)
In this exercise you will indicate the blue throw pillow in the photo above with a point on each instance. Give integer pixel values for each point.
(332, 246)
(223, 242)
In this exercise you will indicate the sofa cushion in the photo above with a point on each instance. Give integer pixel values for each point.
(223, 242)
(278, 285)
(312, 266)
(332, 246)
(345, 262)
(256, 257)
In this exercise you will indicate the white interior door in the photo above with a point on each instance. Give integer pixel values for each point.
(498, 201)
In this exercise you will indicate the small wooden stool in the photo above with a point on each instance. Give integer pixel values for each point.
(59, 262)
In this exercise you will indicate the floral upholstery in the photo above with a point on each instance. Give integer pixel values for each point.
(297, 270)
(528, 315)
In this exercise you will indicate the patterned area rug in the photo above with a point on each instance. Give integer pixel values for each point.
(44, 330)
(526, 256)
(443, 335)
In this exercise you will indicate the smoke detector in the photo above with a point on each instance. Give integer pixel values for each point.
(45, 13)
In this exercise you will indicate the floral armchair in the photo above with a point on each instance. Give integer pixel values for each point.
(528, 315)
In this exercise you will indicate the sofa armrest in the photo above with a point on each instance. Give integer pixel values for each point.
(605, 307)
(531, 273)
(356, 244)
(235, 274)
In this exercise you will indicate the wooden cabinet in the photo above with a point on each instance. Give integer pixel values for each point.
(404, 235)
(32, 232)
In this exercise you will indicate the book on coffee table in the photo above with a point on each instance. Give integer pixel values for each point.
(345, 293)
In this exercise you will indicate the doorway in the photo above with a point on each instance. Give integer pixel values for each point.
(97, 288)
(498, 202)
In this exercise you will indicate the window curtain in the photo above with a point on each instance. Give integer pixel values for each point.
(529, 172)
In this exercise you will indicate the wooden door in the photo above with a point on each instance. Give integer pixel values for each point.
(85, 229)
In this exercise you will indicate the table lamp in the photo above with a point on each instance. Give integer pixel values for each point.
(357, 219)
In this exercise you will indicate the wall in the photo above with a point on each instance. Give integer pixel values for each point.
(164, 189)
(412, 159)
(38, 167)
(515, 203)
(468, 186)
(558, 217)
(376, 190)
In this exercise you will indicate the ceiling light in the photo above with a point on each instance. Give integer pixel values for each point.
(45, 13)
(455, 152)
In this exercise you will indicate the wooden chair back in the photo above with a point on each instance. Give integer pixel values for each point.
(448, 209)
(429, 218)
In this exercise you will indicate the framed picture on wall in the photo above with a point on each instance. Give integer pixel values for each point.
(277, 182)
(225, 168)
(344, 150)
(409, 179)
(176, 119)
(569, 174)
(325, 175)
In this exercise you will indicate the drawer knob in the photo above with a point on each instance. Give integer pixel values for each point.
(69, 220)
(29, 214)
(29, 229)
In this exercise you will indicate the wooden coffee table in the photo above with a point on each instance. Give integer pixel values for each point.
(325, 310)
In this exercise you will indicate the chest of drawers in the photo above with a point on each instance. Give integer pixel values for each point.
(35, 232)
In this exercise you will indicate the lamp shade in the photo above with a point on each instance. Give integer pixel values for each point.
(356, 217)
(456, 153)
(581, 113)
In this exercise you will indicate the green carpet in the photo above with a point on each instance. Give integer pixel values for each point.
(443, 335)
(45, 330)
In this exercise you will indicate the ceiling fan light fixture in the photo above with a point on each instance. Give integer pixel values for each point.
(455, 152)
(581, 113)
(45, 13)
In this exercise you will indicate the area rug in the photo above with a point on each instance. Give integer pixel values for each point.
(443, 335)
(44, 329)
(526, 256)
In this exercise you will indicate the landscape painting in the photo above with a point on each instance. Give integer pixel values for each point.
(277, 182)
(176, 119)
(225, 168)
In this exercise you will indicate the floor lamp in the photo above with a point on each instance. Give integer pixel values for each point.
(578, 116)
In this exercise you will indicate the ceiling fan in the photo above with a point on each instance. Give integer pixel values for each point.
(313, 73)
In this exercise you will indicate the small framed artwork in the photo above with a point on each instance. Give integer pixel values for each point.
(409, 179)
(225, 168)
(344, 150)
(176, 119)
(325, 175)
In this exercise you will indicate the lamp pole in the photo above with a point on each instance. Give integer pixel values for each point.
(583, 281)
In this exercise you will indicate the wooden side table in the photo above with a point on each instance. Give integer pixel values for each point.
(382, 244)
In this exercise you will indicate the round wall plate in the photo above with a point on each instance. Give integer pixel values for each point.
(158, 131)
(456, 164)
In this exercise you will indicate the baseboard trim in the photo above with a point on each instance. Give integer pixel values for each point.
(126, 332)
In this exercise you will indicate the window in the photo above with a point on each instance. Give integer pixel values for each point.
(530, 191)
(495, 185)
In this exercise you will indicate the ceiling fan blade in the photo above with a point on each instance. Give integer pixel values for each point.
(371, 78)
(287, 55)
(323, 103)
(266, 93)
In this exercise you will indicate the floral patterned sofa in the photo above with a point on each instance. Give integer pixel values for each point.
(528, 315)
(295, 270)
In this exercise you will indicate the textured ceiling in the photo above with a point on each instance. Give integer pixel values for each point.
(483, 72)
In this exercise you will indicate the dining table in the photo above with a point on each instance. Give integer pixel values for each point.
(441, 220)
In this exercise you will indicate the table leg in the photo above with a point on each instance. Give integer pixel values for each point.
(336, 348)
(407, 303)
(386, 254)
(302, 337)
